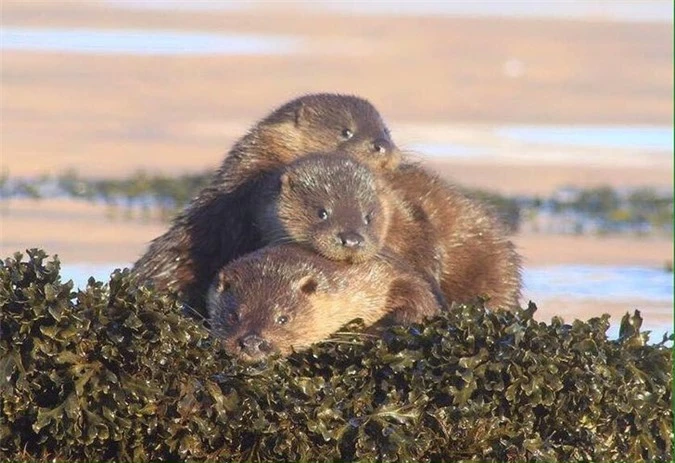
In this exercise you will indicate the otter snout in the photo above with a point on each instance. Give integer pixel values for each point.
(351, 240)
(254, 346)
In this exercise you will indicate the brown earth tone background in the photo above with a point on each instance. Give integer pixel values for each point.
(435, 78)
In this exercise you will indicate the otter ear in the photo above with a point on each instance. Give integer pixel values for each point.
(223, 284)
(308, 285)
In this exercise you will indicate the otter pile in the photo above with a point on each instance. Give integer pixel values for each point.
(315, 218)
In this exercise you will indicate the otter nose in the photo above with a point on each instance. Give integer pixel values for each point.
(253, 344)
(382, 145)
(350, 239)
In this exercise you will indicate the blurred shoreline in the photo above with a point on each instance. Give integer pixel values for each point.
(82, 232)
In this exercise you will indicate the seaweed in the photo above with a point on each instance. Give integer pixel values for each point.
(115, 372)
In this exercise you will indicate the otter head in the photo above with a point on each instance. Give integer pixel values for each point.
(326, 122)
(332, 204)
(270, 301)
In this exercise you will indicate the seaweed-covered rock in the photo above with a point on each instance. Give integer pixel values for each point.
(114, 372)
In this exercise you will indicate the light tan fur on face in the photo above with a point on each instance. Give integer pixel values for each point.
(332, 311)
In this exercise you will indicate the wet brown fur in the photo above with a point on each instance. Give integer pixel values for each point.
(477, 258)
(216, 226)
(316, 296)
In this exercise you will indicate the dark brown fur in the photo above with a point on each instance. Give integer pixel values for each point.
(285, 298)
(477, 259)
(216, 227)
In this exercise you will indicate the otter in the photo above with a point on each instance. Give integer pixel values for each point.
(281, 299)
(329, 202)
(338, 207)
(477, 258)
(216, 226)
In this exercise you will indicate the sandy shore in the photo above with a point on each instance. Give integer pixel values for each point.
(78, 232)
(540, 250)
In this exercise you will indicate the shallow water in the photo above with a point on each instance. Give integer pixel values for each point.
(143, 42)
(608, 284)
(630, 137)
(614, 283)
(602, 283)
(560, 142)
(624, 11)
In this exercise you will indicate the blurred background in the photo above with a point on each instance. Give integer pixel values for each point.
(559, 113)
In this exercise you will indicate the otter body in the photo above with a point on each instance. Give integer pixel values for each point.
(477, 259)
(344, 210)
(216, 226)
(284, 298)
(432, 227)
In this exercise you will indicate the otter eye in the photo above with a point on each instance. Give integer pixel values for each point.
(323, 214)
(282, 319)
(347, 134)
(379, 148)
(368, 218)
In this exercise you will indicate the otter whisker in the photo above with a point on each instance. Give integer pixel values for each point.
(283, 240)
(339, 341)
(380, 258)
(408, 151)
(356, 333)
(194, 312)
